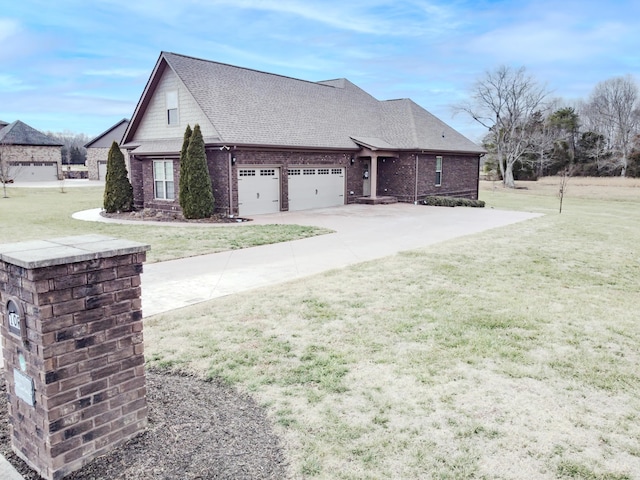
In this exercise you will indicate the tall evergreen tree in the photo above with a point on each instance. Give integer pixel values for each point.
(183, 194)
(118, 192)
(200, 199)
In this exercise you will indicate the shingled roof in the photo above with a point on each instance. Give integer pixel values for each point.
(19, 133)
(249, 107)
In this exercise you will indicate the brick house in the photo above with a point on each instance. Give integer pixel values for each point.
(98, 150)
(276, 143)
(28, 155)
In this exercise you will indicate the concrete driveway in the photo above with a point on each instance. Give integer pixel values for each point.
(363, 232)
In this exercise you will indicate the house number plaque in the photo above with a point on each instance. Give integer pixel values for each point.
(15, 319)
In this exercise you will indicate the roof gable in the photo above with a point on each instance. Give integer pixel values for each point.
(249, 107)
(19, 133)
(106, 138)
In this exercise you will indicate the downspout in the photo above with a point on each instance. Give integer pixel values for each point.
(478, 176)
(415, 198)
(230, 189)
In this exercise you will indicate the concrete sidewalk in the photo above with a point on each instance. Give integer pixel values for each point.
(362, 233)
(7, 472)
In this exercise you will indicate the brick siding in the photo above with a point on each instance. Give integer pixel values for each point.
(85, 355)
(396, 176)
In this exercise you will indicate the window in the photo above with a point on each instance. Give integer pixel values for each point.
(172, 107)
(163, 179)
(323, 171)
(247, 173)
(269, 172)
(294, 171)
(438, 171)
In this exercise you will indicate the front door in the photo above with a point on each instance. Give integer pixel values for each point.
(366, 180)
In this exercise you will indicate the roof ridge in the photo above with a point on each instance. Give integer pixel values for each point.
(249, 69)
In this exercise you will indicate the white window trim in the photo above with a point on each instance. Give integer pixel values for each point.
(164, 180)
(438, 171)
(171, 103)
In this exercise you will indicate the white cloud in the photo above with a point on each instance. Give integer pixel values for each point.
(9, 83)
(118, 72)
(8, 28)
(368, 17)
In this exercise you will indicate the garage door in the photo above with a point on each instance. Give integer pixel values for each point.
(33, 171)
(102, 170)
(258, 190)
(315, 188)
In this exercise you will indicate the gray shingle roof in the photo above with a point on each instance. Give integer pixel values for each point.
(249, 107)
(106, 138)
(19, 133)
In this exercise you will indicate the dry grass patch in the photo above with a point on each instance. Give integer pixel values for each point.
(509, 354)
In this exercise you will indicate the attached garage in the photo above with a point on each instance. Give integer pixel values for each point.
(315, 187)
(258, 190)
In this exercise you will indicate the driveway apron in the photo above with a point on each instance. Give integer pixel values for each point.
(362, 233)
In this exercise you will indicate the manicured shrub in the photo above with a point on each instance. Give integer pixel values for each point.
(199, 201)
(183, 192)
(118, 192)
(451, 202)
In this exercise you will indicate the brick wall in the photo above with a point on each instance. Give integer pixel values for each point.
(85, 355)
(396, 176)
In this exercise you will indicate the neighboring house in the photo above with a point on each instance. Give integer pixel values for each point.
(98, 150)
(29, 155)
(276, 143)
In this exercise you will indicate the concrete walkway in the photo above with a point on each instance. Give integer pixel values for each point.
(362, 233)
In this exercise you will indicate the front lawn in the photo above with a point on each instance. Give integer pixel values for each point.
(509, 354)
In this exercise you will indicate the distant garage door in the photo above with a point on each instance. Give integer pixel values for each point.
(102, 170)
(315, 188)
(33, 171)
(258, 190)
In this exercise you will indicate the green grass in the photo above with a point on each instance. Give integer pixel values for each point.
(46, 213)
(508, 354)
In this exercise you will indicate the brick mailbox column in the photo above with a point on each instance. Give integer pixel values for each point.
(73, 348)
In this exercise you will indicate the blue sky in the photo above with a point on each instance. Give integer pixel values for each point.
(81, 66)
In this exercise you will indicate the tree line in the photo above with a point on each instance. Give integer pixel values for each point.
(530, 134)
(73, 151)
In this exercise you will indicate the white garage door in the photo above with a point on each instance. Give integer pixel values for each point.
(33, 171)
(315, 188)
(102, 170)
(258, 190)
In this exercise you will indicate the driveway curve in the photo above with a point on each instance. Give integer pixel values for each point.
(362, 233)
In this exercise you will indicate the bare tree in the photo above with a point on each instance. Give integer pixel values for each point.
(565, 174)
(504, 101)
(614, 111)
(8, 171)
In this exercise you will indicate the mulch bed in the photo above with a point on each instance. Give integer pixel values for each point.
(166, 216)
(197, 430)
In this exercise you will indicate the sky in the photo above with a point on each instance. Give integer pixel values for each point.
(80, 66)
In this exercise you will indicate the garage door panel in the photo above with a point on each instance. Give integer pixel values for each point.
(315, 188)
(34, 171)
(258, 191)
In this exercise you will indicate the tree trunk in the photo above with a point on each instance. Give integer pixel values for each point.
(508, 180)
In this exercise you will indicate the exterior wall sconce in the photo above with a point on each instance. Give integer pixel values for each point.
(233, 160)
(352, 160)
